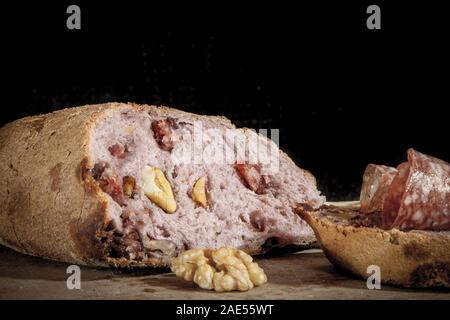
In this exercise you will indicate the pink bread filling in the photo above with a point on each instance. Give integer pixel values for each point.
(125, 141)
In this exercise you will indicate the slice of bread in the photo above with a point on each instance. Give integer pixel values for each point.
(353, 242)
(133, 185)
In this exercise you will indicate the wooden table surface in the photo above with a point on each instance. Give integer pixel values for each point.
(306, 275)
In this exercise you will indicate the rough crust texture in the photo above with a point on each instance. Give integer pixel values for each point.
(409, 259)
(67, 219)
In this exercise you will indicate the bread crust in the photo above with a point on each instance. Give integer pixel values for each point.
(49, 209)
(409, 259)
(52, 208)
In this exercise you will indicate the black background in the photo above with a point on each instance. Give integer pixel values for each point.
(408, 309)
(341, 95)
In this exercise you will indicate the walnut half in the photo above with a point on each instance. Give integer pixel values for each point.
(224, 269)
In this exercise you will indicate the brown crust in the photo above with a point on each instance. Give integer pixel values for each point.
(46, 203)
(52, 207)
(410, 259)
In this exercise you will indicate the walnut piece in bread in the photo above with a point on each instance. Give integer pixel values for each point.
(158, 189)
(199, 192)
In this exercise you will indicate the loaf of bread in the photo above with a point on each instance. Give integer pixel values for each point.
(354, 241)
(132, 186)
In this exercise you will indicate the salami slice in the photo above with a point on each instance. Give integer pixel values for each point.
(419, 195)
(376, 182)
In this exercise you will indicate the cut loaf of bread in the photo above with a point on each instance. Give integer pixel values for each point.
(129, 185)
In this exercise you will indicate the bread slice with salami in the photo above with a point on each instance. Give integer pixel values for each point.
(353, 241)
(133, 185)
(402, 225)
